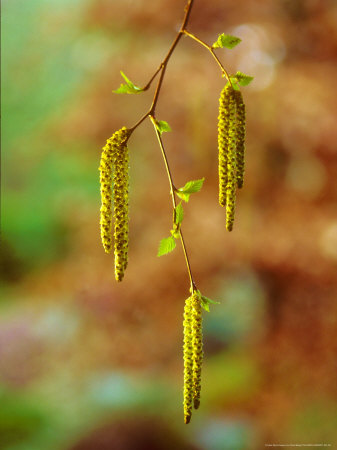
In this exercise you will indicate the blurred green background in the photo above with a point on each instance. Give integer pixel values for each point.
(89, 364)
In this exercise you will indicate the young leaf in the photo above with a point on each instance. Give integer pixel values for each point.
(204, 305)
(234, 82)
(205, 302)
(208, 300)
(189, 188)
(226, 40)
(192, 186)
(128, 88)
(128, 81)
(243, 79)
(162, 126)
(123, 89)
(166, 245)
(183, 196)
(178, 214)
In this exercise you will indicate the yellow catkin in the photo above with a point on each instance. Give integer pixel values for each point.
(231, 162)
(223, 126)
(188, 361)
(240, 138)
(105, 169)
(197, 347)
(114, 169)
(120, 158)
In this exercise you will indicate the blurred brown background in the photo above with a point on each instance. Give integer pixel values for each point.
(89, 364)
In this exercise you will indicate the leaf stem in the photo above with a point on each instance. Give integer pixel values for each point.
(174, 201)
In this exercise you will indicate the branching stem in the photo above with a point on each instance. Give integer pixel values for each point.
(151, 112)
(162, 67)
(145, 88)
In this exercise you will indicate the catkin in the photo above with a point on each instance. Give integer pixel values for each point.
(188, 361)
(231, 162)
(114, 170)
(197, 347)
(231, 143)
(223, 124)
(105, 169)
(240, 138)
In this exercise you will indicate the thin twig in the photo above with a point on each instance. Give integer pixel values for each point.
(163, 65)
(174, 201)
(211, 50)
(145, 88)
(151, 114)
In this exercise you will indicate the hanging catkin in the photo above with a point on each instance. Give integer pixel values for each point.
(105, 169)
(240, 138)
(223, 125)
(231, 161)
(115, 160)
(188, 361)
(231, 142)
(197, 347)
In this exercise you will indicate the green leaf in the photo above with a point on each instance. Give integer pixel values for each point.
(205, 302)
(243, 79)
(183, 196)
(208, 300)
(226, 40)
(234, 82)
(190, 188)
(128, 81)
(128, 88)
(162, 126)
(123, 89)
(166, 245)
(178, 214)
(205, 305)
